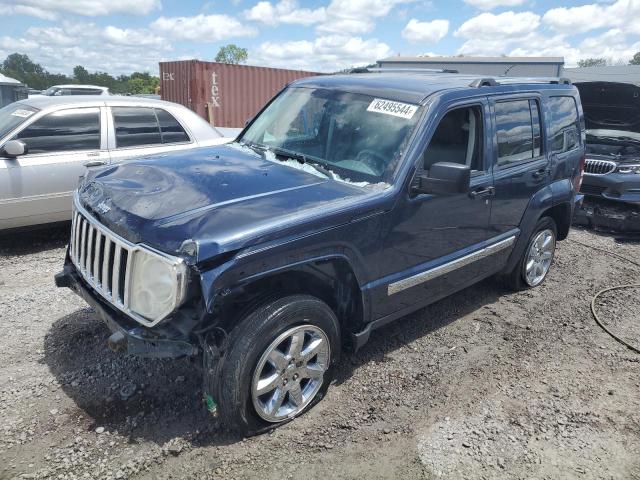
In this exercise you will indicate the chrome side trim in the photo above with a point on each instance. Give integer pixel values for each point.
(440, 270)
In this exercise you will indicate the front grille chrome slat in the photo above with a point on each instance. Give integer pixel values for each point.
(115, 282)
(104, 260)
(599, 167)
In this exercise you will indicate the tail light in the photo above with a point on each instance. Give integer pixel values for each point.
(577, 180)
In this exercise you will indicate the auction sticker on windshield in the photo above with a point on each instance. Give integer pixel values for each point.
(388, 107)
(22, 113)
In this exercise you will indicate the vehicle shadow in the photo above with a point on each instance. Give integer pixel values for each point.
(152, 399)
(25, 242)
(160, 399)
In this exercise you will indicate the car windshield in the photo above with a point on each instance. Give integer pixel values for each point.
(346, 136)
(51, 91)
(13, 115)
(613, 135)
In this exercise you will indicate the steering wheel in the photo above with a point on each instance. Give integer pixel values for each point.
(372, 159)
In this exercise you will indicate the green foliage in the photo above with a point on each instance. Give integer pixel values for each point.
(592, 62)
(635, 60)
(231, 54)
(21, 67)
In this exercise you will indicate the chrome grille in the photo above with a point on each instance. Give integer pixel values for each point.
(102, 258)
(599, 167)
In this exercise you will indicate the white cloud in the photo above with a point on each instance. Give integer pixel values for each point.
(326, 53)
(203, 28)
(345, 17)
(491, 4)
(425, 32)
(491, 34)
(285, 11)
(50, 9)
(624, 14)
(109, 49)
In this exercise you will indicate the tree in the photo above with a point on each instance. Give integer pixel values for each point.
(81, 74)
(232, 54)
(635, 60)
(592, 62)
(21, 67)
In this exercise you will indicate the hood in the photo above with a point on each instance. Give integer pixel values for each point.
(610, 105)
(222, 198)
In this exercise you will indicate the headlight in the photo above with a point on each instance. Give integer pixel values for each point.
(629, 168)
(157, 285)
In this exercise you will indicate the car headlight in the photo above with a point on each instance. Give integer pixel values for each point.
(157, 285)
(629, 168)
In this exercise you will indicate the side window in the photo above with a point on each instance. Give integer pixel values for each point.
(64, 131)
(565, 129)
(135, 127)
(518, 131)
(458, 139)
(170, 129)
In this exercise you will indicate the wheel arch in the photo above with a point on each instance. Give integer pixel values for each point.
(330, 279)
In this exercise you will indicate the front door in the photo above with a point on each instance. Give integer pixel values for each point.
(38, 187)
(432, 244)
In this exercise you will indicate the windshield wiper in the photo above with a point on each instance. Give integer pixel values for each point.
(302, 158)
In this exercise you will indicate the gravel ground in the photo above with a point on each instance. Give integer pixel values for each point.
(484, 384)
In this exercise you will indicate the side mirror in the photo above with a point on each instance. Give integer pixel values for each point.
(445, 178)
(14, 148)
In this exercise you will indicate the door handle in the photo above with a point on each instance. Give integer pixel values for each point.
(483, 192)
(543, 172)
(95, 163)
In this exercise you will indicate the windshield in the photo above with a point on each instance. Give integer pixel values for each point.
(13, 115)
(51, 91)
(358, 137)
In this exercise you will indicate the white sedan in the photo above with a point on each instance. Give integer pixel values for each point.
(47, 143)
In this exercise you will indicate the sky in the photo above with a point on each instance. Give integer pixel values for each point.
(122, 36)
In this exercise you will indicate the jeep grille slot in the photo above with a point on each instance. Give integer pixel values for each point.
(599, 167)
(102, 259)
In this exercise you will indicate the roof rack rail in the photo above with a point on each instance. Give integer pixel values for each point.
(493, 82)
(483, 82)
(401, 70)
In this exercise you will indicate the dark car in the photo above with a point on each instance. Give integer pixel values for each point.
(612, 118)
(347, 203)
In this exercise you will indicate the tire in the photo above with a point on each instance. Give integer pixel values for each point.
(247, 365)
(518, 279)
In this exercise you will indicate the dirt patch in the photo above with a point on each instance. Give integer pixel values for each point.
(484, 384)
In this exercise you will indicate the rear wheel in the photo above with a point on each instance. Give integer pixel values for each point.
(533, 266)
(278, 363)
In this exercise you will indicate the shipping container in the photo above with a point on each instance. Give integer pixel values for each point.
(223, 94)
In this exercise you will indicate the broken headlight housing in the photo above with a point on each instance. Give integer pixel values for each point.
(157, 285)
(628, 168)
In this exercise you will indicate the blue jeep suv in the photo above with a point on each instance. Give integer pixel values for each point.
(348, 202)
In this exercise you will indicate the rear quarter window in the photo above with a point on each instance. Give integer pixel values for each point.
(564, 124)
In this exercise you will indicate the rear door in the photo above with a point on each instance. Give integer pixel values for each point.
(520, 164)
(138, 131)
(39, 185)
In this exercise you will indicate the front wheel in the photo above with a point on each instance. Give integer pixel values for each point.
(533, 266)
(278, 364)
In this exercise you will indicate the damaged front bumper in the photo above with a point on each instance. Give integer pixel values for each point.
(618, 187)
(160, 342)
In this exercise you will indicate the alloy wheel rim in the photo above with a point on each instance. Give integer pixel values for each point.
(290, 373)
(539, 257)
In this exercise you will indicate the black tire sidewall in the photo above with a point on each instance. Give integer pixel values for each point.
(247, 342)
(545, 223)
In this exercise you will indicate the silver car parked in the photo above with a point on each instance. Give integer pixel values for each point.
(47, 143)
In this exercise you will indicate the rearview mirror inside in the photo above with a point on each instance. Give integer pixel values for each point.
(444, 178)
